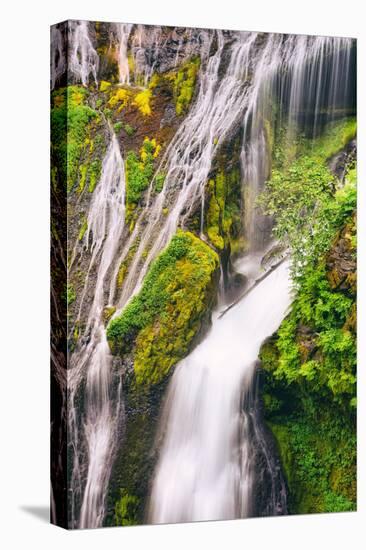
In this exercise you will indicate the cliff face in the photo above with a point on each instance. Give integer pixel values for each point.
(162, 198)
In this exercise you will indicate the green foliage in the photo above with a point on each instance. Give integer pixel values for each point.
(184, 81)
(95, 170)
(140, 170)
(71, 121)
(69, 294)
(126, 509)
(159, 182)
(223, 220)
(318, 453)
(162, 319)
(329, 367)
(128, 129)
(310, 364)
(302, 194)
(118, 126)
(213, 219)
(83, 228)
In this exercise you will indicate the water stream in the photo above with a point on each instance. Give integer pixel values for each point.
(210, 430)
(94, 436)
(205, 470)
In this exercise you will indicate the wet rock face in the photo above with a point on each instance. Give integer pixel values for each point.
(344, 160)
(341, 261)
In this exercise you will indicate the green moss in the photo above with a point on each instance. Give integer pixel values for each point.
(159, 182)
(126, 509)
(108, 312)
(318, 455)
(83, 172)
(223, 220)
(107, 113)
(213, 219)
(71, 123)
(69, 294)
(129, 129)
(161, 321)
(104, 86)
(184, 81)
(118, 126)
(140, 170)
(143, 102)
(95, 170)
(83, 228)
(301, 193)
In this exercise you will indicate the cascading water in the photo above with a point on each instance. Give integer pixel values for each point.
(209, 444)
(84, 59)
(58, 57)
(123, 32)
(209, 430)
(95, 436)
(189, 157)
(205, 469)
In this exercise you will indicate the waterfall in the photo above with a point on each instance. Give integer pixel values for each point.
(123, 31)
(84, 60)
(95, 435)
(303, 78)
(189, 156)
(205, 466)
(210, 431)
(58, 57)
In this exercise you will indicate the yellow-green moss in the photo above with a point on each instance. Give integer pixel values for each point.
(184, 81)
(108, 312)
(120, 99)
(139, 172)
(104, 86)
(142, 102)
(83, 228)
(126, 509)
(161, 321)
(223, 213)
(72, 122)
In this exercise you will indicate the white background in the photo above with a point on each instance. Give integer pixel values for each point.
(24, 248)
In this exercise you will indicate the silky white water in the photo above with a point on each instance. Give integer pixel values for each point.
(123, 32)
(84, 60)
(207, 427)
(204, 467)
(92, 359)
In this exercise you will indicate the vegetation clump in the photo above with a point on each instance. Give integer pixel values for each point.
(140, 170)
(310, 364)
(184, 81)
(223, 213)
(305, 196)
(71, 124)
(161, 321)
(126, 509)
(142, 102)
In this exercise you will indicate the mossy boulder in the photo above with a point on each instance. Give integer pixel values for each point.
(161, 322)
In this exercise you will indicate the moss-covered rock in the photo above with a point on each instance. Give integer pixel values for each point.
(160, 323)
